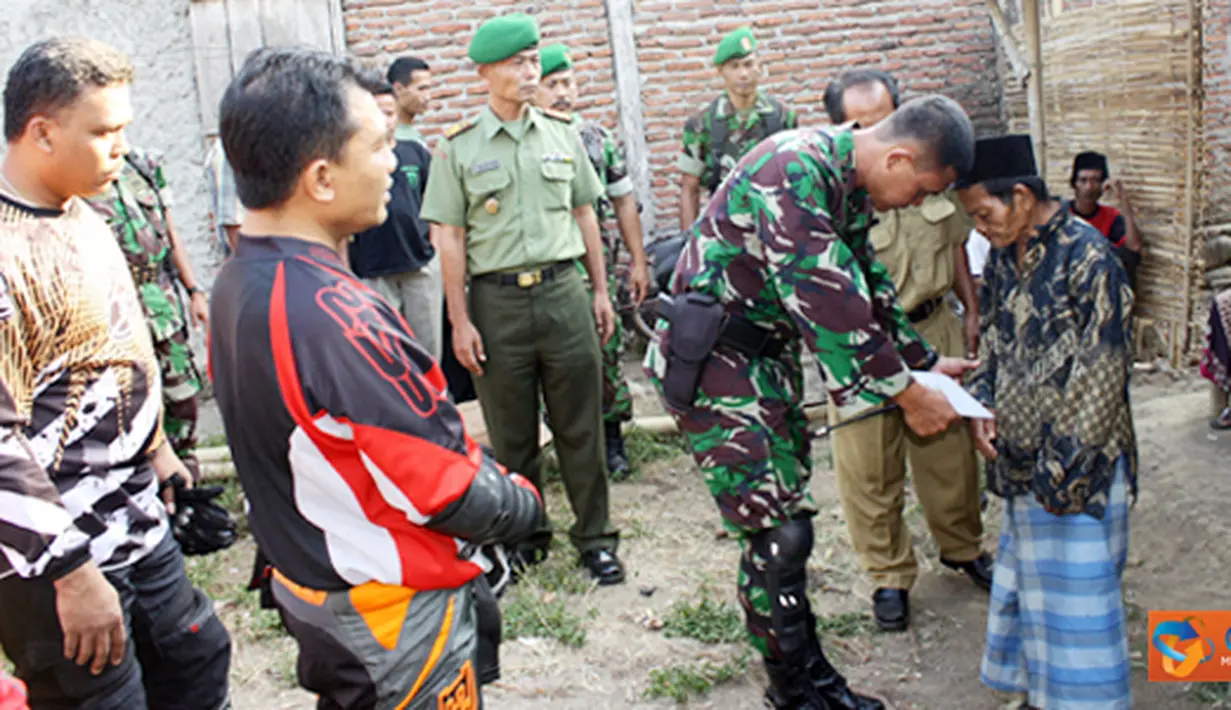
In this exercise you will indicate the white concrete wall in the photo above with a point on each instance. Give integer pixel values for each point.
(157, 34)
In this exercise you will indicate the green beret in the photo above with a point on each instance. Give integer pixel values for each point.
(737, 45)
(554, 58)
(501, 37)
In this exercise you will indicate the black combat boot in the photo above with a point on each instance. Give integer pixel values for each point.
(618, 467)
(830, 684)
(789, 689)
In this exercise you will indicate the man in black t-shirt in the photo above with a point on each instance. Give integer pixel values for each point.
(396, 258)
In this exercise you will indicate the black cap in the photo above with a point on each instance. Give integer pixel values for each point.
(1089, 160)
(1002, 158)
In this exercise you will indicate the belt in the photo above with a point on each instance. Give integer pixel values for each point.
(738, 333)
(526, 279)
(922, 312)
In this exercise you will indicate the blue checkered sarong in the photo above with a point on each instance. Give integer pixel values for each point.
(1055, 625)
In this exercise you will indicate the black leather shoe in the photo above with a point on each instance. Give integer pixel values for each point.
(979, 569)
(618, 468)
(604, 566)
(891, 608)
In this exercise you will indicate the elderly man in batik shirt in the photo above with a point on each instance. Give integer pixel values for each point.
(1055, 363)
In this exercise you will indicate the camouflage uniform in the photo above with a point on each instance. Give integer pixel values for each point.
(607, 156)
(784, 244)
(743, 133)
(135, 207)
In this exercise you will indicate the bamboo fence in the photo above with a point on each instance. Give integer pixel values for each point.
(1124, 78)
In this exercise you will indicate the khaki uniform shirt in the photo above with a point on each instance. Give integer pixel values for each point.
(512, 187)
(916, 245)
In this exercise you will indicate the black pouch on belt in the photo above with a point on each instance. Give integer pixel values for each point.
(696, 324)
(489, 623)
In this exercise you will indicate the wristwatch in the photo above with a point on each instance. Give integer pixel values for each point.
(194, 290)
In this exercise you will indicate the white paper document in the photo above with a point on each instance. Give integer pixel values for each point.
(963, 402)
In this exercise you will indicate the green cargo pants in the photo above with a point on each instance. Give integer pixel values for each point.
(536, 339)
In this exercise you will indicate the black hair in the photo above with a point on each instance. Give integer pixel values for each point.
(1002, 188)
(402, 67)
(372, 80)
(284, 109)
(53, 73)
(1089, 160)
(938, 122)
(836, 91)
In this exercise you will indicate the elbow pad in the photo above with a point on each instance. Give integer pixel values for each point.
(495, 508)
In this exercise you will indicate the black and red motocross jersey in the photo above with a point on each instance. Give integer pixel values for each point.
(356, 466)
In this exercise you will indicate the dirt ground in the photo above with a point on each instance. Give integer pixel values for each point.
(1179, 559)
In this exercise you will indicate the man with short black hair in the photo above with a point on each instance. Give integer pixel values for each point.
(719, 134)
(1054, 364)
(780, 258)
(1090, 181)
(923, 249)
(97, 609)
(397, 258)
(511, 200)
(411, 78)
(367, 494)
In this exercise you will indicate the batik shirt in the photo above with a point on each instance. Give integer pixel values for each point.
(744, 131)
(80, 398)
(1055, 363)
(784, 243)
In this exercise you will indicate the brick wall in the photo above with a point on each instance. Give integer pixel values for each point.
(931, 45)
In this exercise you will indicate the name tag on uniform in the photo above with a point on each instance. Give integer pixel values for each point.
(484, 167)
(558, 158)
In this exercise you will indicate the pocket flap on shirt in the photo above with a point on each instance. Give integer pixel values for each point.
(937, 209)
(487, 182)
(559, 171)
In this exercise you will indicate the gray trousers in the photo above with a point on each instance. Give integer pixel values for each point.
(419, 297)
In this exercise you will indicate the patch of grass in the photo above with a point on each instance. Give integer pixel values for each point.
(208, 573)
(851, 623)
(708, 621)
(210, 442)
(248, 616)
(1216, 696)
(634, 529)
(644, 447)
(531, 614)
(545, 603)
(684, 681)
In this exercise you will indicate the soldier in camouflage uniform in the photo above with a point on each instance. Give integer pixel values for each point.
(617, 205)
(720, 133)
(136, 207)
(781, 257)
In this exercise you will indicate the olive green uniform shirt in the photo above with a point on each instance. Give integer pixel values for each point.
(408, 132)
(916, 245)
(512, 186)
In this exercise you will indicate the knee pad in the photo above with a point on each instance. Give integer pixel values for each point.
(785, 550)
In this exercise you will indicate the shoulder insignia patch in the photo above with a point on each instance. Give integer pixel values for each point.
(459, 128)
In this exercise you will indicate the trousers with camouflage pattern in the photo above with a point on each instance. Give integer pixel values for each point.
(617, 400)
(748, 434)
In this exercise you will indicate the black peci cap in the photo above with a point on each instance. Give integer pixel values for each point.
(1002, 158)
